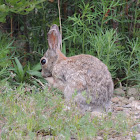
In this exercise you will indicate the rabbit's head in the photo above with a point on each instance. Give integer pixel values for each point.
(53, 52)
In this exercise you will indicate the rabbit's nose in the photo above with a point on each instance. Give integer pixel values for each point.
(43, 61)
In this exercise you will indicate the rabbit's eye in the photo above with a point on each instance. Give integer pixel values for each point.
(43, 61)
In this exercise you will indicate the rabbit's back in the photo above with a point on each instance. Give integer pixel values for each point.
(86, 75)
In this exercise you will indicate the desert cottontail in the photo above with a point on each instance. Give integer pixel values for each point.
(83, 76)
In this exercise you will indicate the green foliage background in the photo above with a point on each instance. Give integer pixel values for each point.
(107, 29)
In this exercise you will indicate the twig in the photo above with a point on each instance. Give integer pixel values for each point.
(119, 82)
(60, 21)
(43, 86)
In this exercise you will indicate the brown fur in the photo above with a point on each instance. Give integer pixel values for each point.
(84, 74)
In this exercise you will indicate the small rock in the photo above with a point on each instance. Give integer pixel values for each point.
(136, 104)
(119, 108)
(125, 101)
(132, 91)
(99, 138)
(115, 100)
(131, 99)
(136, 127)
(120, 104)
(119, 91)
(121, 98)
(124, 88)
(120, 138)
(137, 115)
(127, 106)
(138, 137)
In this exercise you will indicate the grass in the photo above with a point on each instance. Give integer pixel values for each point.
(27, 112)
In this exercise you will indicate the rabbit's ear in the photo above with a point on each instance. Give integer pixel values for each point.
(54, 37)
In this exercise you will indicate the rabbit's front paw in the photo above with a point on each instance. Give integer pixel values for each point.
(50, 80)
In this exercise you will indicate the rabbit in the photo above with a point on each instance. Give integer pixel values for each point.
(83, 78)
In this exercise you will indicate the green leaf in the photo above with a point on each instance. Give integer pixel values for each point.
(37, 67)
(20, 71)
(3, 8)
(34, 73)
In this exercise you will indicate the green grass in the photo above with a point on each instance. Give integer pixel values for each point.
(29, 113)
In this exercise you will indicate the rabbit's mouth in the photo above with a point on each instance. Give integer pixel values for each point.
(46, 74)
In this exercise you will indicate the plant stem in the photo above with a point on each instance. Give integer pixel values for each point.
(83, 49)
(60, 21)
